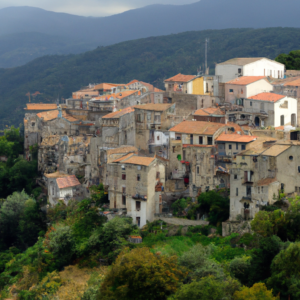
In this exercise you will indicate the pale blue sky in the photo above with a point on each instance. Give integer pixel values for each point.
(90, 7)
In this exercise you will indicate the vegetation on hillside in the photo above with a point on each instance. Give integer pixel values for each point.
(291, 60)
(151, 60)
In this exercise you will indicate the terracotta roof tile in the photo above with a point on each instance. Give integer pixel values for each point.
(40, 106)
(245, 80)
(152, 106)
(193, 145)
(132, 81)
(138, 160)
(267, 97)
(123, 157)
(68, 181)
(265, 181)
(119, 96)
(119, 113)
(293, 83)
(53, 114)
(180, 78)
(56, 175)
(197, 127)
(122, 149)
(106, 86)
(238, 138)
(209, 111)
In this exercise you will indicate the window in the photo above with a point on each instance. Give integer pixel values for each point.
(207, 189)
(157, 118)
(237, 192)
(296, 189)
(123, 200)
(139, 167)
(250, 103)
(138, 177)
(173, 148)
(138, 117)
(198, 170)
(291, 157)
(158, 137)
(123, 176)
(183, 154)
(123, 167)
(209, 140)
(230, 90)
(230, 147)
(243, 147)
(262, 189)
(235, 176)
(258, 190)
(149, 116)
(33, 124)
(298, 169)
(200, 140)
(138, 205)
(240, 71)
(282, 120)
(282, 186)
(243, 157)
(248, 190)
(236, 146)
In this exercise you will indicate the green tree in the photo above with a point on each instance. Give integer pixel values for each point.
(207, 288)
(140, 274)
(285, 268)
(98, 194)
(291, 60)
(257, 292)
(179, 205)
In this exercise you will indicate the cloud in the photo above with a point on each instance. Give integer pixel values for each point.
(95, 8)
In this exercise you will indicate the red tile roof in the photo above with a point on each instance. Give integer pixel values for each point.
(132, 81)
(266, 181)
(197, 127)
(180, 78)
(53, 114)
(267, 97)
(119, 113)
(234, 137)
(293, 83)
(40, 106)
(123, 157)
(120, 95)
(245, 80)
(137, 160)
(66, 182)
(209, 111)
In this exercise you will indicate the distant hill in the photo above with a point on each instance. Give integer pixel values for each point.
(19, 48)
(153, 20)
(151, 60)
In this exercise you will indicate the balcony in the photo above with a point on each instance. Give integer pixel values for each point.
(139, 197)
(224, 159)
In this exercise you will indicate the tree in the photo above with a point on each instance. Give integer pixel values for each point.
(208, 288)
(257, 292)
(216, 206)
(291, 60)
(179, 205)
(139, 274)
(98, 194)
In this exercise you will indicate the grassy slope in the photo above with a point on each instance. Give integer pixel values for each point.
(151, 60)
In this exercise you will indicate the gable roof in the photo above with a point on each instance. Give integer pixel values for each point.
(293, 83)
(57, 174)
(267, 97)
(265, 181)
(137, 160)
(132, 82)
(275, 150)
(123, 157)
(209, 111)
(242, 61)
(106, 86)
(245, 80)
(180, 78)
(234, 137)
(69, 181)
(197, 127)
(122, 149)
(155, 107)
(53, 114)
(40, 106)
(119, 113)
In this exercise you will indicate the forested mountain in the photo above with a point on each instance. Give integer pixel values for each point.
(151, 60)
(19, 48)
(153, 20)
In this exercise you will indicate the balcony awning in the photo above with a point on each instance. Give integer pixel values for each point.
(184, 162)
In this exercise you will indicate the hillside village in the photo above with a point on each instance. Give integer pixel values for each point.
(236, 129)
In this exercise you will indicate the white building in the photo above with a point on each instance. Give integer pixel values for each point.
(281, 110)
(244, 87)
(249, 66)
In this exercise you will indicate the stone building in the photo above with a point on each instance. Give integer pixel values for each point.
(152, 124)
(63, 187)
(135, 185)
(118, 128)
(210, 114)
(260, 173)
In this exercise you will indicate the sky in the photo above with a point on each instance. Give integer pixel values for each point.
(94, 8)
